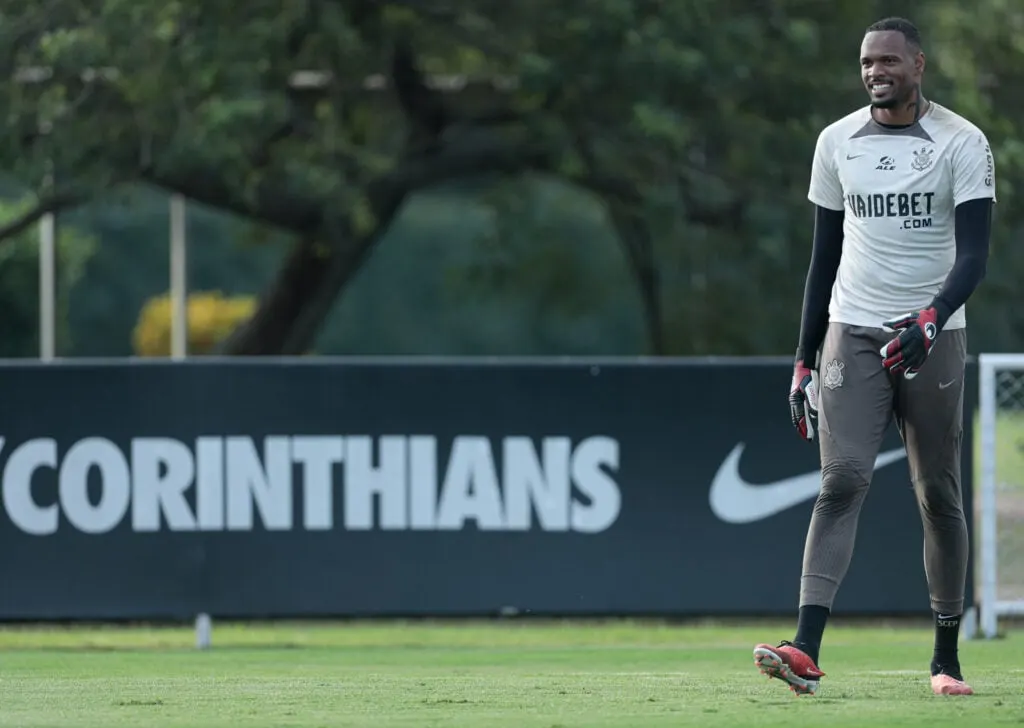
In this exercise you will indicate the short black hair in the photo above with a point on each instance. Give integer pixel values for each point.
(900, 25)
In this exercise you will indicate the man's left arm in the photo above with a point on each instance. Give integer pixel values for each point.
(974, 193)
(973, 197)
(973, 225)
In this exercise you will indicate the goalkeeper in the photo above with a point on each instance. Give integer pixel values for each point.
(903, 190)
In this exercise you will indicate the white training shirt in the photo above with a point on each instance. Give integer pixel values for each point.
(899, 188)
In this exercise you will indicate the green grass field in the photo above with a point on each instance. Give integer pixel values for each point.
(477, 675)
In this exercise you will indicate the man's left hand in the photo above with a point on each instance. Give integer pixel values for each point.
(917, 333)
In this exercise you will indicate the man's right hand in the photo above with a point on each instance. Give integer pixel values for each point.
(803, 401)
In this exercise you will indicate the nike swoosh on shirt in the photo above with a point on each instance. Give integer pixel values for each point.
(734, 500)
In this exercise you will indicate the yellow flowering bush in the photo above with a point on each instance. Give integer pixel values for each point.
(211, 318)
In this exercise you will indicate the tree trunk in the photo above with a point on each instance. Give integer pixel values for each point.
(293, 310)
(339, 271)
(281, 305)
(635, 238)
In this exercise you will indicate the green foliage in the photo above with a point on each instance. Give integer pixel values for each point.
(182, 85)
(19, 282)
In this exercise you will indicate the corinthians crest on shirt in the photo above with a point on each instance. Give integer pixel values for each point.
(923, 159)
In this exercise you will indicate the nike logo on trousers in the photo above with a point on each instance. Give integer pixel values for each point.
(734, 500)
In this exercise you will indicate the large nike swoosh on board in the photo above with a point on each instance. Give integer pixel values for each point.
(734, 500)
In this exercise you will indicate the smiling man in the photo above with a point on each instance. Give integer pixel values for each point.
(903, 190)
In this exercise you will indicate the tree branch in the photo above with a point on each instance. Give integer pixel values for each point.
(423, 106)
(476, 152)
(274, 201)
(44, 207)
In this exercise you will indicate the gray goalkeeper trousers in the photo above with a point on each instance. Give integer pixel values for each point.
(858, 399)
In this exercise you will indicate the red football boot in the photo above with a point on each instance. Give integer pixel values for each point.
(789, 664)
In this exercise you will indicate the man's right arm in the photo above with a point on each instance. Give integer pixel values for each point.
(826, 251)
(826, 192)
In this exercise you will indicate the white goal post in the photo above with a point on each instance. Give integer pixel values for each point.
(999, 489)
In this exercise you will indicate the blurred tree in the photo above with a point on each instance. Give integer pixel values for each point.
(127, 90)
(19, 281)
(691, 122)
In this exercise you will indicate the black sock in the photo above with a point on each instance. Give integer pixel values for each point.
(947, 636)
(810, 627)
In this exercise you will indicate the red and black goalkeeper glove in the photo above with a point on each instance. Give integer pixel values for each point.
(803, 401)
(917, 333)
